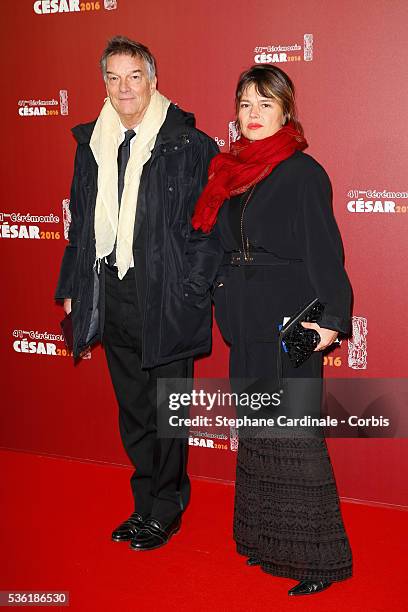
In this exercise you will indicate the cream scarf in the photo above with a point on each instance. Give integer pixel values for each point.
(105, 141)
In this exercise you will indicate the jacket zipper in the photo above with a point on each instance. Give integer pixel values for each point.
(245, 252)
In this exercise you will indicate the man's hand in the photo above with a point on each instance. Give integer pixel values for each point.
(328, 336)
(67, 305)
(85, 353)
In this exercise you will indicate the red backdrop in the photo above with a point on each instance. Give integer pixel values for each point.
(347, 60)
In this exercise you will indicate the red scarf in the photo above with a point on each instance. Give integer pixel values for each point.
(247, 163)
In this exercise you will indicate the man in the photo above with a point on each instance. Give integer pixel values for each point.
(139, 170)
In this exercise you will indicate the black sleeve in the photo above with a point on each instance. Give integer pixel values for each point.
(203, 258)
(66, 275)
(204, 151)
(323, 251)
(203, 250)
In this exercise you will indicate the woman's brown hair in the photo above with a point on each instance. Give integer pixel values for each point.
(270, 82)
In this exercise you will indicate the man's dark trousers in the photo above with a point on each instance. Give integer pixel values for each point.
(160, 484)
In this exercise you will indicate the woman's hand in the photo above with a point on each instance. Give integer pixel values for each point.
(328, 336)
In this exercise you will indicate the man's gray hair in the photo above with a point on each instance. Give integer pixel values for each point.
(121, 45)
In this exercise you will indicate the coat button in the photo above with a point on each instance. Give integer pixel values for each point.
(170, 188)
(175, 147)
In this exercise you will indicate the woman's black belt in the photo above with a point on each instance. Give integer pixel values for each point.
(237, 258)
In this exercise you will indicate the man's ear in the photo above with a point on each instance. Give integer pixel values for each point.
(153, 86)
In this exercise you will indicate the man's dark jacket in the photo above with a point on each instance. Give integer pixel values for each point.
(176, 321)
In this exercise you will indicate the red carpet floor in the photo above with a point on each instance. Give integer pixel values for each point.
(56, 519)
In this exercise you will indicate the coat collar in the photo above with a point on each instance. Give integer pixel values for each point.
(173, 128)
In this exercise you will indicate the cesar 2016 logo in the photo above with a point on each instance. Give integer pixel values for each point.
(278, 54)
(38, 343)
(44, 108)
(45, 7)
(32, 342)
(374, 201)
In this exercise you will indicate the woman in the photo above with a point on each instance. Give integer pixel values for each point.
(268, 235)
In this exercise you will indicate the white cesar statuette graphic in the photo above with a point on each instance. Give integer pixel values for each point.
(233, 438)
(233, 133)
(357, 345)
(66, 217)
(110, 5)
(63, 101)
(308, 47)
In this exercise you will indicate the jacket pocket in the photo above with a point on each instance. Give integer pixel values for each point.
(185, 323)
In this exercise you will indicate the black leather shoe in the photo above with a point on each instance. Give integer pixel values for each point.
(128, 529)
(309, 587)
(253, 561)
(153, 534)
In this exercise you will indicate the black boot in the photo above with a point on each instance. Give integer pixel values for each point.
(309, 587)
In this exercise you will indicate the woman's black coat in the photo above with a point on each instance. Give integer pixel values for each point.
(290, 215)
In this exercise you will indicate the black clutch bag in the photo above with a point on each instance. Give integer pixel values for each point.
(297, 341)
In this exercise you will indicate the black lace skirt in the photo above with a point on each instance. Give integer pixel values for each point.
(287, 511)
(286, 508)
